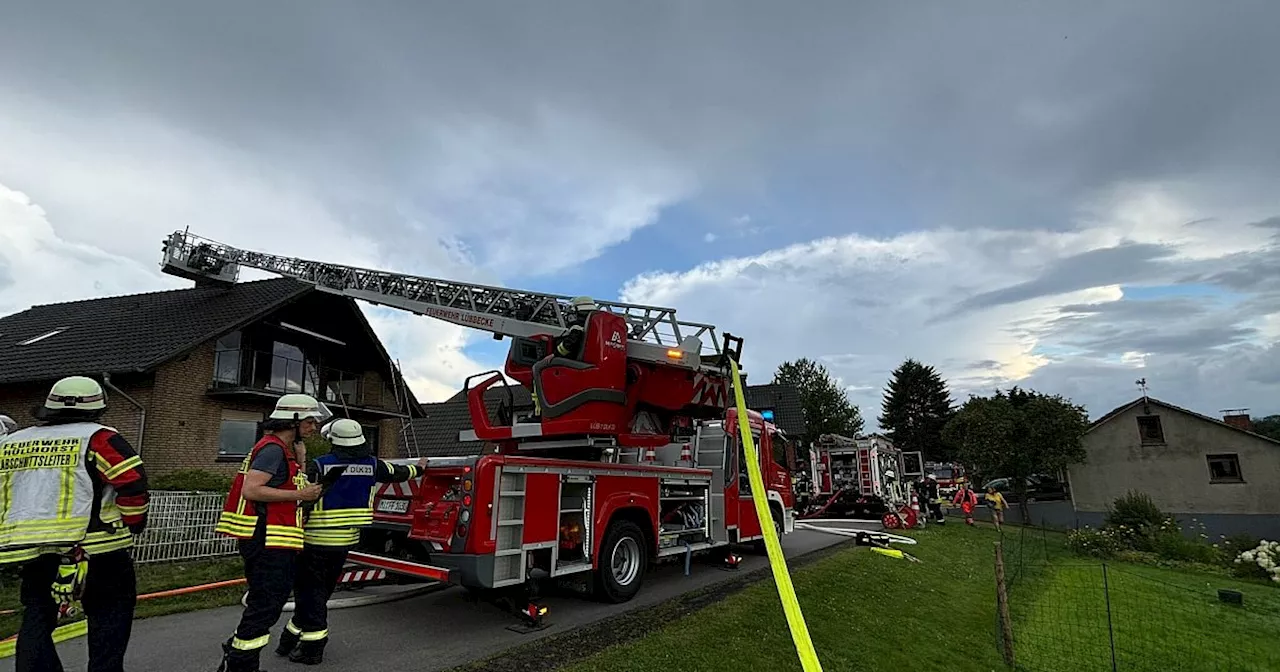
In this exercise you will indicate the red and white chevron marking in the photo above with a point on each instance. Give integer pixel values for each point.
(361, 575)
(406, 489)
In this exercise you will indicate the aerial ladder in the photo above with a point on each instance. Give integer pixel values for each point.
(640, 378)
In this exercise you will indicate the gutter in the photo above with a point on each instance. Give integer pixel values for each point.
(142, 410)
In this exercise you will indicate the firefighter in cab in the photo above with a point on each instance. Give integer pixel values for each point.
(348, 474)
(76, 493)
(568, 344)
(263, 511)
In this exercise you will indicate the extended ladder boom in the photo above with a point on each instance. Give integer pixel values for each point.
(654, 332)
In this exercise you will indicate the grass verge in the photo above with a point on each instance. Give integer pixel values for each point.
(865, 611)
(154, 578)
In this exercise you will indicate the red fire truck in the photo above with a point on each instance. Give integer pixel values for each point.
(636, 455)
(864, 478)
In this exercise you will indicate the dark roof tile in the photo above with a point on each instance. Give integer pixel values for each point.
(121, 334)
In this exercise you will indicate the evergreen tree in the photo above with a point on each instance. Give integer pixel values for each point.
(827, 409)
(916, 406)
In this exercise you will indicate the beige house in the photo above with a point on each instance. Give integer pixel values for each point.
(1193, 466)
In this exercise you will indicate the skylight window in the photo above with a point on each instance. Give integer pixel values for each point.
(43, 336)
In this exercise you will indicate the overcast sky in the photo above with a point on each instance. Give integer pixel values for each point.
(1067, 196)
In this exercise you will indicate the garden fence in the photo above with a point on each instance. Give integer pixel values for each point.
(1071, 615)
(180, 527)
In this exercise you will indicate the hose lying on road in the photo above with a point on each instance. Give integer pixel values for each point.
(366, 600)
(891, 538)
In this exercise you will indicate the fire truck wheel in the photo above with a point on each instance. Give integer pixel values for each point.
(622, 563)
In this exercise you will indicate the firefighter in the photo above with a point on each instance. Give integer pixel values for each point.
(331, 529)
(263, 512)
(569, 343)
(77, 494)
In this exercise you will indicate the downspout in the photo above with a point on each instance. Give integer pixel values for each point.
(142, 410)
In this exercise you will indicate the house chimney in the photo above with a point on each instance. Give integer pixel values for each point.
(1238, 418)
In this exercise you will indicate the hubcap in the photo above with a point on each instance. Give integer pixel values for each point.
(626, 561)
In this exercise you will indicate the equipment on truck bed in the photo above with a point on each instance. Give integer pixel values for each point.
(635, 455)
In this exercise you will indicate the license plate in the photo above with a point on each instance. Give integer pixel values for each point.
(393, 506)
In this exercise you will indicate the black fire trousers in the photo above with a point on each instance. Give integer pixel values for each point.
(269, 573)
(319, 568)
(110, 593)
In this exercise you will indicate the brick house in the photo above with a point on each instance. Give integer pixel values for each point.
(436, 434)
(191, 372)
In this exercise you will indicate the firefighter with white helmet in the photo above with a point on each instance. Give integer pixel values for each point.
(77, 493)
(350, 472)
(569, 344)
(263, 512)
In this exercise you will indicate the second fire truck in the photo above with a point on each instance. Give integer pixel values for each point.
(635, 457)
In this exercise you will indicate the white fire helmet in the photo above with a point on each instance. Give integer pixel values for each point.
(76, 393)
(344, 432)
(7, 426)
(583, 304)
(300, 407)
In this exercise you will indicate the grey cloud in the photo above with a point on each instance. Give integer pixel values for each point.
(1057, 101)
(1107, 266)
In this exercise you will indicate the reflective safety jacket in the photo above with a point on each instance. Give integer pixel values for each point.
(348, 503)
(282, 520)
(68, 484)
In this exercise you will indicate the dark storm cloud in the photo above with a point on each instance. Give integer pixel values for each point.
(990, 114)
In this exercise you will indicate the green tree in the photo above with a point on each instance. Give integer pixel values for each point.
(1018, 433)
(916, 407)
(1268, 427)
(827, 409)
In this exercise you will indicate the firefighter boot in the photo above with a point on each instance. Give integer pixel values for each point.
(288, 642)
(309, 653)
(235, 660)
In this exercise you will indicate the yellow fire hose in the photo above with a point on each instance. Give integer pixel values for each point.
(781, 577)
(60, 634)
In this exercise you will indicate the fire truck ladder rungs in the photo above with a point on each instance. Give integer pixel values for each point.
(654, 333)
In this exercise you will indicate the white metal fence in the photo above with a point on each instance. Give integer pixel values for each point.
(180, 527)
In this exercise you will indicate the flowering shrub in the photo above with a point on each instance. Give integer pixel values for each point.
(1135, 510)
(1104, 543)
(1266, 559)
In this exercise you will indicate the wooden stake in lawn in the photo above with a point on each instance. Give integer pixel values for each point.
(1002, 602)
(781, 577)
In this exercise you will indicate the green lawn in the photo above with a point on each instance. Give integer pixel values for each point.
(865, 611)
(870, 612)
(155, 578)
(1161, 620)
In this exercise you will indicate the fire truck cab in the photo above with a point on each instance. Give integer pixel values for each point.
(496, 520)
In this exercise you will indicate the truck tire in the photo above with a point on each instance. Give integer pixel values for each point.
(623, 561)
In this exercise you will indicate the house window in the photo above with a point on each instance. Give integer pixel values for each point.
(372, 438)
(1149, 429)
(238, 433)
(226, 359)
(1224, 468)
(290, 370)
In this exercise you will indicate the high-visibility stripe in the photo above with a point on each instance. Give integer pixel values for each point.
(125, 465)
(338, 537)
(132, 510)
(304, 635)
(250, 644)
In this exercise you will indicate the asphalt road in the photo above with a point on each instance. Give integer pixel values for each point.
(429, 632)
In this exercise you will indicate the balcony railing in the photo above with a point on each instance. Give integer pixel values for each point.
(279, 374)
